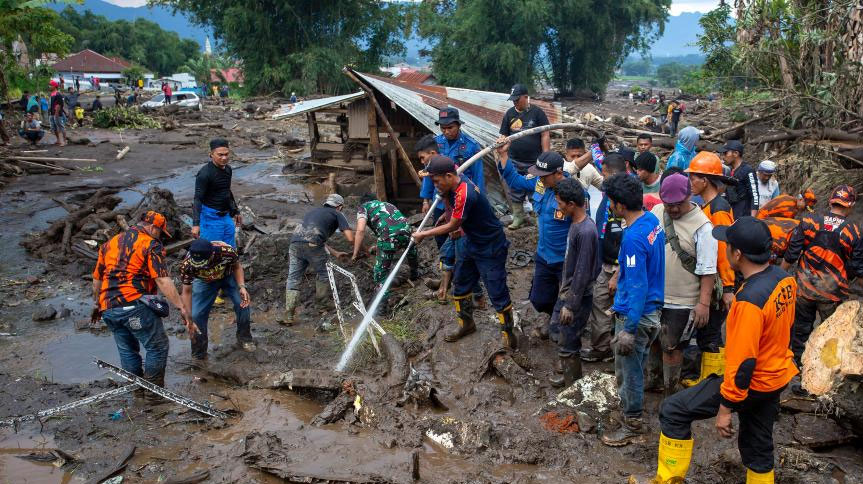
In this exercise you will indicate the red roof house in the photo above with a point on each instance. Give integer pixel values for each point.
(414, 76)
(88, 62)
(233, 74)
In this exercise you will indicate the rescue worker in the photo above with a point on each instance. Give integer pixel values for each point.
(393, 233)
(827, 251)
(610, 228)
(690, 273)
(460, 147)
(780, 215)
(707, 178)
(131, 266)
(309, 248)
(210, 267)
(768, 186)
(215, 211)
(788, 206)
(580, 268)
(758, 365)
(744, 197)
(524, 151)
(637, 302)
(540, 182)
(485, 253)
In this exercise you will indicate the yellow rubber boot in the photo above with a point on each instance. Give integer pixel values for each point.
(753, 477)
(673, 462)
(711, 364)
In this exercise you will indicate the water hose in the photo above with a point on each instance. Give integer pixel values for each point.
(373, 307)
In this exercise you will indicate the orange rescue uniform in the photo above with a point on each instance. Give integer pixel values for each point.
(719, 213)
(128, 265)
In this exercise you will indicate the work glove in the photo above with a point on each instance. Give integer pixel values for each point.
(566, 316)
(625, 342)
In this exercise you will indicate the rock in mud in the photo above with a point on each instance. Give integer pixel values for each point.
(818, 432)
(594, 394)
(45, 313)
(458, 436)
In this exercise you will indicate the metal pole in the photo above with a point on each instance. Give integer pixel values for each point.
(370, 312)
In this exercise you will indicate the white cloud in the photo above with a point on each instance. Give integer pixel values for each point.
(678, 7)
(128, 3)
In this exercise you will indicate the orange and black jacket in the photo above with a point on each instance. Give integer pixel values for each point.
(783, 206)
(128, 265)
(779, 215)
(718, 211)
(829, 252)
(757, 357)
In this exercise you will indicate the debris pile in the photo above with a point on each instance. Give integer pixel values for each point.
(121, 117)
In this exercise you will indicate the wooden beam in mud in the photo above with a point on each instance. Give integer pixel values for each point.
(375, 153)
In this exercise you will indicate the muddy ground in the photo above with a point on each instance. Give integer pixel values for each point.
(493, 428)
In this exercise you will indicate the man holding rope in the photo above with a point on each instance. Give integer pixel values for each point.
(485, 252)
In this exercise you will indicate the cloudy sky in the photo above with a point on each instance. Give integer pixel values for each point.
(677, 6)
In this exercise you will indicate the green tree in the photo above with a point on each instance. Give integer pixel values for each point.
(640, 67)
(301, 45)
(673, 73)
(716, 41)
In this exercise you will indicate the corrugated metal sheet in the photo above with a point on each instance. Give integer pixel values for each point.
(288, 110)
(480, 111)
(416, 77)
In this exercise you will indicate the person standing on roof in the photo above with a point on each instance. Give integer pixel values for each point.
(744, 198)
(684, 149)
(485, 252)
(827, 251)
(524, 151)
(758, 365)
(131, 266)
(707, 177)
(309, 248)
(214, 209)
(293, 99)
(768, 186)
(553, 223)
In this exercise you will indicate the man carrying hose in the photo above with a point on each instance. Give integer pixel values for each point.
(485, 252)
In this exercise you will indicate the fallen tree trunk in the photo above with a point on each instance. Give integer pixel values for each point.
(833, 363)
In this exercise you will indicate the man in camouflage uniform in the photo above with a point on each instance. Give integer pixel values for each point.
(394, 235)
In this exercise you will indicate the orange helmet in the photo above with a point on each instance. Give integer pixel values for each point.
(706, 163)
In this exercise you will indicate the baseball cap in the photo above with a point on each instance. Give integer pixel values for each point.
(646, 161)
(518, 91)
(200, 252)
(446, 116)
(627, 154)
(767, 166)
(156, 219)
(844, 195)
(439, 165)
(547, 163)
(731, 145)
(54, 84)
(334, 200)
(749, 235)
(675, 188)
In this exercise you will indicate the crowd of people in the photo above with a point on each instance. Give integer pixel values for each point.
(702, 249)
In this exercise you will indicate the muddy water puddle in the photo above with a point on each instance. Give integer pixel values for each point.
(13, 469)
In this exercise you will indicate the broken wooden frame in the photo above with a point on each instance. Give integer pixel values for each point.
(358, 304)
(68, 406)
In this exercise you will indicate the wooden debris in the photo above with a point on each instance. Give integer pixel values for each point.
(119, 467)
(122, 153)
(52, 159)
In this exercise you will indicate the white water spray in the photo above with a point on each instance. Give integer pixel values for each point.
(373, 307)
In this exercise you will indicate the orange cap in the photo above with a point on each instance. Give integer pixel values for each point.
(156, 219)
(706, 163)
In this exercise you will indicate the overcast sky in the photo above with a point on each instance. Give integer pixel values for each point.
(677, 6)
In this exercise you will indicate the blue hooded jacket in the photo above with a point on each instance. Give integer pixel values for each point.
(684, 150)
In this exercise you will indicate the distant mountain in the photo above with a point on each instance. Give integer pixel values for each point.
(160, 15)
(679, 36)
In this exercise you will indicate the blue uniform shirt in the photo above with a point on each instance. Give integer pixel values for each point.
(460, 150)
(553, 224)
(641, 286)
(483, 230)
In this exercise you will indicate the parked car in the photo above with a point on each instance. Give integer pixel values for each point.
(188, 100)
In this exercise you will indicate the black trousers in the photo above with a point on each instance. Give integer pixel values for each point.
(805, 312)
(674, 323)
(757, 415)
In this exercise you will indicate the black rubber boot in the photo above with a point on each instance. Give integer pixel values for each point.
(571, 372)
(464, 313)
(199, 347)
(158, 379)
(507, 328)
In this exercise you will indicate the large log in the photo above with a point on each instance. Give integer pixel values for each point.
(833, 363)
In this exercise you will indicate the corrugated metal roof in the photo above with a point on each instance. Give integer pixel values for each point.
(480, 111)
(414, 76)
(288, 110)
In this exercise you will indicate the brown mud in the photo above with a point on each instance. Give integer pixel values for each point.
(460, 419)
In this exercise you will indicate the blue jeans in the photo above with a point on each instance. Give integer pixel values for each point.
(134, 326)
(300, 256)
(217, 227)
(629, 369)
(545, 284)
(204, 295)
(569, 335)
(470, 268)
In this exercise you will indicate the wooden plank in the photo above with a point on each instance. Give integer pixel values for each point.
(313, 131)
(394, 170)
(333, 111)
(375, 152)
(338, 147)
(332, 123)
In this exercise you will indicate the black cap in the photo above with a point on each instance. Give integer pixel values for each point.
(518, 91)
(627, 154)
(646, 161)
(447, 116)
(748, 235)
(547, 163)
(732, 145)
(200, 250)
(218, 143)
(439, 165)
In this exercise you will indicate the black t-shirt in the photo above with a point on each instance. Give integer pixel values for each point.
(675, 114)
(524, 150)
(743, 198)
(213, 189)
(319, 224)
(57, 100)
